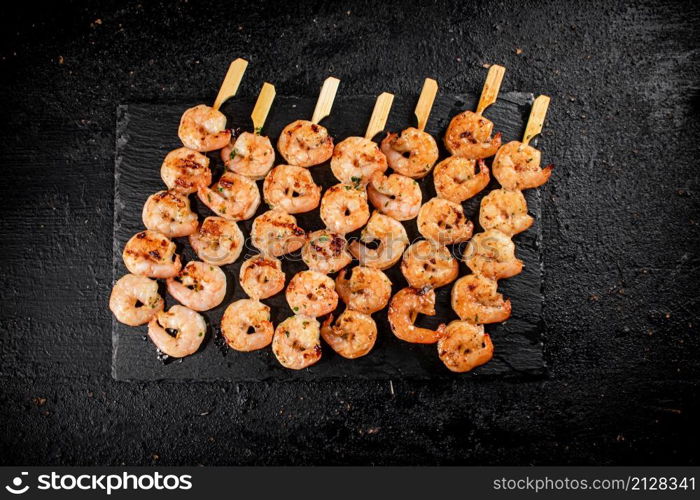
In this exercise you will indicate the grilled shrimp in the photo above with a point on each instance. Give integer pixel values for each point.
(469, 135)
(427, 264)
(413, 153)
(305, 144)
(367, 290)
(395, 195)
(291, 189)
(311, 293)
(150, 253)
(246, 325)
(344, 208)
(505, 211)
(198, 286)
(492, 254)
(203, 128)
(475, 299)
(262, 276)
(218, 241)
(444, 221)
(169, 213)
(403, 310)
(276, 233)
(353, 335)
(464, 346)
(135, 300)
(326, 252)
(251, 155)
(297, 342)
(178, 332)
(356, 159)
(517, 166)
(456, 178)
(381, 242)
(233, 196)
(185, 170)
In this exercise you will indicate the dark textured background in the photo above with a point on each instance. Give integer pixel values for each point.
(620, 226)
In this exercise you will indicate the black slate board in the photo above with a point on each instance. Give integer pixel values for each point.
(145, 134)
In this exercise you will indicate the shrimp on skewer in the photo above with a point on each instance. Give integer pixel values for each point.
(152, 254)
(198, 286)
(203, 128)
(427, 264)
(344, 208)
(469, 133)
(356, 159)
(517, 166)
(381, 242)
(312, 294)
(276, 233)
(464, 346)
(135, 300)
(233, 197)
(178, 332)
(306, 143)
(505, 211)
(476, 299)
(395, 195)
(366, 290)
(456, 178)
(291, 189)
(249, 154)
(413, 153)
(492, 254)
(444, 221)
(297, 342)
(246, 325)
(169, 213)
(403, 310)
(218, 241)
(353, 335)
(326, 252)
(252, 155)
(185, 170)
(262, 277)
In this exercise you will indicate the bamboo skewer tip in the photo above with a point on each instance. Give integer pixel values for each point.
(380, 113)
(324, 104)
(425, 102)
(536, 120)
(492, 85)
(262, 107)
(231, 82)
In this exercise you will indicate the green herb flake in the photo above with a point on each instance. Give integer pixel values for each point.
(295, 309)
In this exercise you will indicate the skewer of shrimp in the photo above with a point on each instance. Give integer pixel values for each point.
(203, 128)
(414, 152)
(251, 154)
(491, 254)
(469, 133)
(305, 143)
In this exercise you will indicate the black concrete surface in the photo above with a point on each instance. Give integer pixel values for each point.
(620, 232)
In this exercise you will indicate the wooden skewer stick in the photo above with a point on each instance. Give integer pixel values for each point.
(425, 102)
(379, 115)
(325, 99)
(492, 85)
(262, 107)
(233, 78)
(536, 120)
